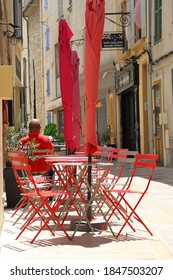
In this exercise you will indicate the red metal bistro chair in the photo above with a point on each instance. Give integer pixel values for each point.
(38, 195)
(120, 201)
(23, 203)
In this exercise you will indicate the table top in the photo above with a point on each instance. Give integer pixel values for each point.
(70, 158)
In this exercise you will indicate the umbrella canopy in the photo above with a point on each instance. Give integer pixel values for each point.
(65, 68)
(94, 21)
(76, 99)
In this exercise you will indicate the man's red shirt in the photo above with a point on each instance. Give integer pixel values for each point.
(39, 165)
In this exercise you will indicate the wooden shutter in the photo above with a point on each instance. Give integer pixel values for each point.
(131, 27)
(143, 19)
(158, 20)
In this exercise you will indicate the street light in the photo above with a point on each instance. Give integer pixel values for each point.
(11, 33)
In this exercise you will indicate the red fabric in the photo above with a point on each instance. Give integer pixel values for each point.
(94, 21)
(39, 165)
(137, 13)
(5, 111)
(65, 67)
(76, 100)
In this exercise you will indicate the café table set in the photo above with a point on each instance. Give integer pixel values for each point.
(83, 188)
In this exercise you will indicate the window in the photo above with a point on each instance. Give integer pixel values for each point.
(48, 117)
(137, 22)
(18, 67)
(61, 122)
(60, 8)
(57, 60)
(17, 4)
(48, 82)
(157, 109)
(0, 11)
(157, 21)
(58, 90)
(46, 4)
(70, 6)
(47, 38)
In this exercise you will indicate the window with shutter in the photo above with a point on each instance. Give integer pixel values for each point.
(17, 12)
(47, 38)
(0, 11)
(60, 8)
(46, 4)
(48, 82)
(157, 21)
(48, 117)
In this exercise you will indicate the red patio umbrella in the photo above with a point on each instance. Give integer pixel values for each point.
(94, 21)
(65, 68)
(76, 99)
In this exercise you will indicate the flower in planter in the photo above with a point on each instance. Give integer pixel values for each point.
(29, 148)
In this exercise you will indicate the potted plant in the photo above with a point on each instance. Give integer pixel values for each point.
(51, 130)
(12, 142)
(104, 138)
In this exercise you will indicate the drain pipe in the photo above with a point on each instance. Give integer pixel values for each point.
(149, 81)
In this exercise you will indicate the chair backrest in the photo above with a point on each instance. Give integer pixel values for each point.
(23, 174)
(16, 153)
(42, 152)
(144, 166)
(124, 165)
(22, 170)
(145, 163)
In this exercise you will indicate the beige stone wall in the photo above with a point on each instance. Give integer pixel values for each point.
(5, 59)
(35, 59)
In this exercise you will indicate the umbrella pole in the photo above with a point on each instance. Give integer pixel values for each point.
(89, 210)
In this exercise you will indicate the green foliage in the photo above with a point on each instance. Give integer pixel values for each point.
(12, 141)
(51, 130)
(29, 149)
(104, 137)
(13, 135)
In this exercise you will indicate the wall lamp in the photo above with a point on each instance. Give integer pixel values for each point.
(107, 72)
(13, 32)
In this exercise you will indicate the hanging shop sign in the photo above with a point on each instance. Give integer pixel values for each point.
(113, 40)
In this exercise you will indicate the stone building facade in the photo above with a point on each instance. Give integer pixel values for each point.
(33, 44)
(11, 84)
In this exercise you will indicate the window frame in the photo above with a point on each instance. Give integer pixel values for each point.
(157, 21)
(48, 82)
(47, 38)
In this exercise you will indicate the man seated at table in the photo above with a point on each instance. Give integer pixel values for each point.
(39, 166)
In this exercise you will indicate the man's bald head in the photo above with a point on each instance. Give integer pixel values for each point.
(34, 125)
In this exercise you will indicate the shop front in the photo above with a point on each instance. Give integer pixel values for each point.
(126, 82)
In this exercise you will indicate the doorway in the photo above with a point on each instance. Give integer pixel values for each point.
(130, 120)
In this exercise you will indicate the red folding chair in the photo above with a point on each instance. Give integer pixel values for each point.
(23, 203)
(119, 200)
(42, 210)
